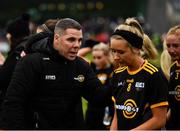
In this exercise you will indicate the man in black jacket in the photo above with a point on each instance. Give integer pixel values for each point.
(47, 85)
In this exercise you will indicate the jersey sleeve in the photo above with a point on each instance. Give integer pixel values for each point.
(158, 91)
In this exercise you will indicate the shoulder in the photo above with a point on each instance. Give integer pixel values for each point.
(82, 62)
(150, 68)
(33, 58)
(120, 70)
(175, 64)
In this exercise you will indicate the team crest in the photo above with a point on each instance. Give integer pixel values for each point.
(80, 78)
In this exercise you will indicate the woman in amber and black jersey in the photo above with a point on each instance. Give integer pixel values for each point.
(138, 87)
(99, 118)
(172, 42)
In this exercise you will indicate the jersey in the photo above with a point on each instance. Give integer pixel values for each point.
(174, 95)
(135, 93)
(95, 116)
(103, 75)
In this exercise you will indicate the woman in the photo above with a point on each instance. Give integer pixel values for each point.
(172, 42)
(99, 117)
(138, 87)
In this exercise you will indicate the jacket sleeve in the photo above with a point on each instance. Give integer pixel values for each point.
(19, 91)
(6, 71)
(94, 91)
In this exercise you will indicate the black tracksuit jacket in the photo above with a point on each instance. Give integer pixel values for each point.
(46, 89)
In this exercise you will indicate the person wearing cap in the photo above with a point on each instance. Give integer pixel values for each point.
(138, 86)
(17, 33)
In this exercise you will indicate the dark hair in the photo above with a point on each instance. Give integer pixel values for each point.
(66, 23)
(19, 29)
(49, 25)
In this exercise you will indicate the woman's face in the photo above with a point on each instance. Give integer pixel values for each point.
(100, 59)
(173, 46)
(121, 52)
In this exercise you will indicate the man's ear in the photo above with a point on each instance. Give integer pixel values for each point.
(56, 37)
(56, 41)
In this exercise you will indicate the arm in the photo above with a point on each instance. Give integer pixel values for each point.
(114, 122)
(84, 51)
(157, 98)
(2, 59)
(18, 93)
(157, 121)
(168, 115)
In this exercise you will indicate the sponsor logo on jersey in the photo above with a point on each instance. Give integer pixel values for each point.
(177, 89)
(80, 78)
(120, 83)
(176, 93)
(129, 108)
(139, 85)
(50, 77)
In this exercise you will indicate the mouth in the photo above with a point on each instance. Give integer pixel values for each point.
(72, 54)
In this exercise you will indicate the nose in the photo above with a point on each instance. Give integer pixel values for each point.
(170, 50)
(77, 44)
(116, 56)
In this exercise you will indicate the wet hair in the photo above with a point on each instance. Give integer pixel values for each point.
(138, 38)
(66, 23)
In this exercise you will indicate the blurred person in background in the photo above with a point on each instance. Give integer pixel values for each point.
(2, 59)
(48, 26)
(87, 46)
(139, 86)
(99, 118)
(17, 32)
(172, 41)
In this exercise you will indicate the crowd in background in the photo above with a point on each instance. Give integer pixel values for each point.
(109, 62)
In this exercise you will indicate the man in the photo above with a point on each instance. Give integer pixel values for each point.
(48, 85)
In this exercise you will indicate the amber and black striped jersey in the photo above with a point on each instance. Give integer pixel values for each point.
(174, 95)
(103, 75)
(95, 115)
(136, 92)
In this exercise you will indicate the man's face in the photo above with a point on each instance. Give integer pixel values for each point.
(173, 46)
(68, 43)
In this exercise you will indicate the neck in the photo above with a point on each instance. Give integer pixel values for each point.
(104, 66)
(136, 64)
